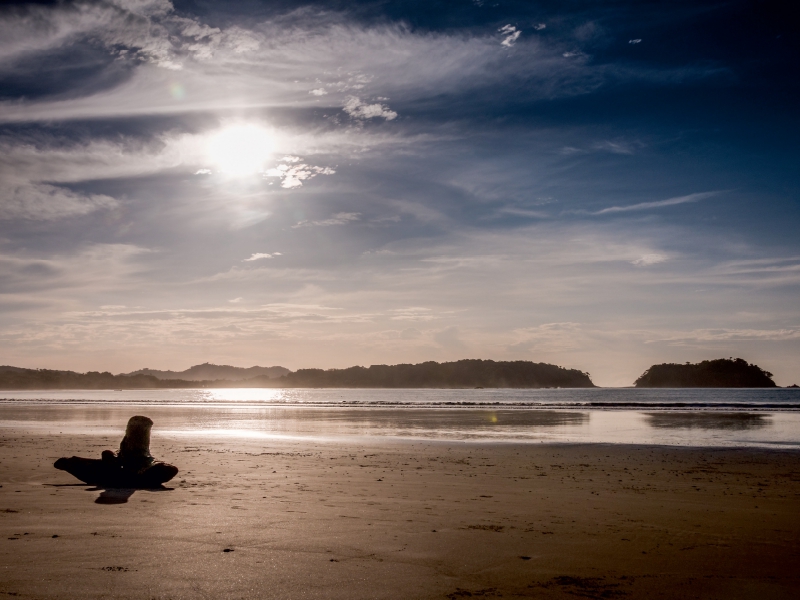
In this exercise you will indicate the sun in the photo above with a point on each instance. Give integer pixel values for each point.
(240, 149)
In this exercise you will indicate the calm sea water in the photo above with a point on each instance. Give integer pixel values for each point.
(609, 398)
(689, 417)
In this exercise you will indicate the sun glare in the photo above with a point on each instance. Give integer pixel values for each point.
(240, 149)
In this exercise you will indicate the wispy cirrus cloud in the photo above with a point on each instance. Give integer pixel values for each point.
(616, 147)
(179, 63)
(44, 202)
(261, 256)
(726, 335)
(649, 259)
(93, 268)
(148, 31)
(697, 197)
(338, 219)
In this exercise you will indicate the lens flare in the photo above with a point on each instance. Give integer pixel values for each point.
(177, 91)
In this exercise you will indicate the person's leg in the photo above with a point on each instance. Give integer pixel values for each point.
(88, 470)
(157, 474)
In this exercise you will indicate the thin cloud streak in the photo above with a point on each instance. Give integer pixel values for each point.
(659, 203)
(337, 219)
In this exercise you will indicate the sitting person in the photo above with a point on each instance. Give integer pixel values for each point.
(132, 466)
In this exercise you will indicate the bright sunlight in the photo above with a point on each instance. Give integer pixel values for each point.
(240, 149)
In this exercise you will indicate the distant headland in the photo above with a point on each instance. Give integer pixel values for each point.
(458, 374)
(720, 373)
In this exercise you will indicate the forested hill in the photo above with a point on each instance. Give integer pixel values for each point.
(460, 374)
(209, 372)
(15, 378)
(722, 373)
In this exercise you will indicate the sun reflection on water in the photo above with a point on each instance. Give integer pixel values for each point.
(243, 395)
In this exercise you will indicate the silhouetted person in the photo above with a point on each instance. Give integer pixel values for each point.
(132, 466)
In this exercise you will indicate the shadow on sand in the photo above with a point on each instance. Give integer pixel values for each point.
(113, 495)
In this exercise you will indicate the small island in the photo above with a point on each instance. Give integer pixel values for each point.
(721, 373)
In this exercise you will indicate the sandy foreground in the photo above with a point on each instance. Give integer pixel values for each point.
(255, 518)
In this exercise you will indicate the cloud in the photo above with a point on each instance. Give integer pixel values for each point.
(293, 175)
(570, 150)
(636, 41)
(144, 31)
(37, 171)
(337, 219)
(43, 202)
(523, 212)
(550, 337)
(450, 339)
(360, 110)
(649, 259)
(764, 271)
(57, 278)
(539, 26)
(236, 300)
(728, 335)
(510, 35)
(260, 256)
(614, 147)
(413, 313)
(658, 204)
(139, 30)
(273, 63)
(410, 334)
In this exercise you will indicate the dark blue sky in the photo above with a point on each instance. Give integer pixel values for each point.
(602, 185)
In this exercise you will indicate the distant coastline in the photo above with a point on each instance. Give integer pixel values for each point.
(469, 373)
(458, 374)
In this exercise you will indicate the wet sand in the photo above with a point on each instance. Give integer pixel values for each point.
(255, 518)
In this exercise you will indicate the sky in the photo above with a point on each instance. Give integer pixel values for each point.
(599, 185)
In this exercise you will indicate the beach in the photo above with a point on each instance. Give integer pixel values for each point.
(401, 518)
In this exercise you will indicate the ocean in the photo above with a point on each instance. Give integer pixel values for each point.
(767, 418)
